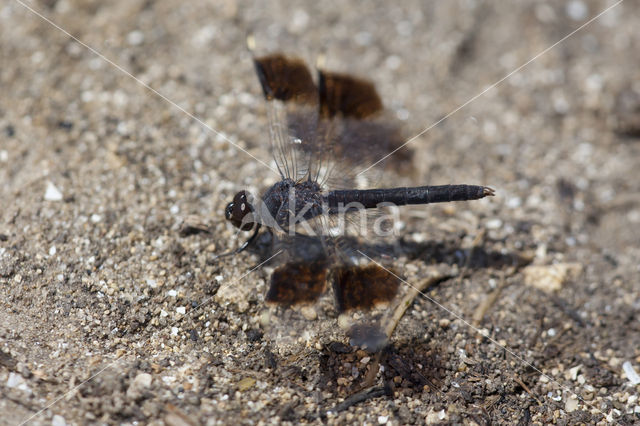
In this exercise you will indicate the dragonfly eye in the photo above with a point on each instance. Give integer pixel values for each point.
(236, 211)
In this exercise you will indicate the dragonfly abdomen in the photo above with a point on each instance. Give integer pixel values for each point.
(371, 198)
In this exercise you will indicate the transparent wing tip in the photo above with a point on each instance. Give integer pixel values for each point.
(369, 337)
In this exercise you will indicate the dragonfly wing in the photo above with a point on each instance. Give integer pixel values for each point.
(327, 132)
(292, 104)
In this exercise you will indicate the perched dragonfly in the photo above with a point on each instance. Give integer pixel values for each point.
(321, 136)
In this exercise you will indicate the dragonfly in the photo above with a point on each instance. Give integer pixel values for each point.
(321, 133)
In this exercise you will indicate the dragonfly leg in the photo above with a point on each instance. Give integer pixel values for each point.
(243, 246)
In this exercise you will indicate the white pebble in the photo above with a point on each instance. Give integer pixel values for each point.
(181, 310)
(577, 10)
(393, 62)
(246, 98)
(14, 380)
(37, 57)
(139, 385)
(95, 218)
(382, 420)
(300, 21)
(560, 103)
(172, 293)
(309, 312)
(174, 209)
(58, 420)
(52, 251)
(122, 128)
(120, 99)
(204, 35)
(571, 404)
(631, 373)
(594, 83)
(494, 224)
(135, 38)
(4, 156)
(52, 193)
(573, 372)
(17, 381)
(87, 96)
(174, 331)
(402, 114)
(514, 202)
(143, 380)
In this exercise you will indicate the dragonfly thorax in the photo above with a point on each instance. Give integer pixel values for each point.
(288, 202)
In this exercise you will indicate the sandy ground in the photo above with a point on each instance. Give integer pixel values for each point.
(110, 315)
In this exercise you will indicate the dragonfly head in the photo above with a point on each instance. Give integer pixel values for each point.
(236, 212)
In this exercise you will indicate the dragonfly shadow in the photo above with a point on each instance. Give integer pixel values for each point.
(449, 252)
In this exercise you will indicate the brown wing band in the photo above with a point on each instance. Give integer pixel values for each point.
(285, 79)
(363, 287)
(346, 95)
(297, 283)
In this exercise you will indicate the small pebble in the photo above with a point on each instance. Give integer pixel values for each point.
(16, 381)
(52, 193)
(135, 38)
(573, 372)
(551, 278)
(631, 373)
(514, 202)
(494, 224)
(571, 404)
(577, 10)
(58, 420)
(246, 383)
(309, 313)
(139, 385)
(299, 21)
